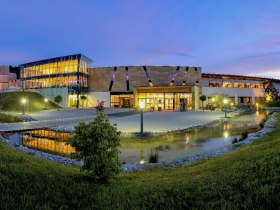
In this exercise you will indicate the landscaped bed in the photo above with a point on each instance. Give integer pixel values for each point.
(247, 178)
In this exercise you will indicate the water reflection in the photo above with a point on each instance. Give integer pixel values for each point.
(169, 147)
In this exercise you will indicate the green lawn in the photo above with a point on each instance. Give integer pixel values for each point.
(7, 118)
(11, 101)
(245, 179)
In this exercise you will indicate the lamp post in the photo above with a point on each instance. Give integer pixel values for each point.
(225, 103)
(23, 101)
(141, 105)
(46, 102)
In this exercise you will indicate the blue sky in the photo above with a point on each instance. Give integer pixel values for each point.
(221, 36)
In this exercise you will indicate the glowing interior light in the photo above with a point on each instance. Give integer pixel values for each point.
(141, 104)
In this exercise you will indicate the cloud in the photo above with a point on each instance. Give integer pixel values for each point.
(268, 74)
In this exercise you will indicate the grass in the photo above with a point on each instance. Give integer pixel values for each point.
(248, 178)
(11, 101)
(7, 118)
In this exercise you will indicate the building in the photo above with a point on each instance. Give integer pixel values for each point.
(157, 87)
(66, 76)
(8, 80)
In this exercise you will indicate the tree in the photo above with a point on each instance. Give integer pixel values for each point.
(202, 99)
(83, 98)
(271, 93)
(58, 99)
(218, 101)
(96, 143)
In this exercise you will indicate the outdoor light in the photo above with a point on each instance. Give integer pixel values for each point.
(46, 102)
(23, 101)
(226, 134)
(225, 109)
(141, 105)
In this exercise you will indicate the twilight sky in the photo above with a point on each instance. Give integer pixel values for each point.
(221, 36)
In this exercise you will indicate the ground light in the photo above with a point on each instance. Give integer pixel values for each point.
(23, 101)
(46, 102)
(141, 105)
(225, 109)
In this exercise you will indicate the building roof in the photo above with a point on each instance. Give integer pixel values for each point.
(50, 60)
(240, 77)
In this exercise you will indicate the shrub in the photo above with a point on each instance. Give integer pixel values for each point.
(234, 140)
(96, 144)
(7, 118)
(100, 106)
(244, 135)
(153, 157)
(58, 99)
(270, 104)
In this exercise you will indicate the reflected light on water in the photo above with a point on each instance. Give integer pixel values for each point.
(257, 113)
(226, 134)
(142, 161)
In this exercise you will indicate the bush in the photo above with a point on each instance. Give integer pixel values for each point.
(270, 104)
(244, 135)
(234, 140)
(100, 106)
(153, 157)
(7, 118)
(96, 144)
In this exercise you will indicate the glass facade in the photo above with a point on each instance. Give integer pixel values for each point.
(166, 101)
(234, 83)
(67, 71)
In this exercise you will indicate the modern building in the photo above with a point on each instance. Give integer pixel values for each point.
(157, 87)
(8, 80)
(66, 76)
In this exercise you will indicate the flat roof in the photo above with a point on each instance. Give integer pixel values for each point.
(55, 59)
(231, 76)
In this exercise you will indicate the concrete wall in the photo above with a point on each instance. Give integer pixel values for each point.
(232, 92)
(101, 96)
(50, 93)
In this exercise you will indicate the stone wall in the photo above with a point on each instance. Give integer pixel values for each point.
(100, 78)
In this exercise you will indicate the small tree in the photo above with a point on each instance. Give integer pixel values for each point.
(58, 99)
(96, 143)
(100, 106)
(83, 98)
(271, 93)
(202, 99)
(218, 101)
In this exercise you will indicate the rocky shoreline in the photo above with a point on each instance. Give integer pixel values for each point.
(268, 127)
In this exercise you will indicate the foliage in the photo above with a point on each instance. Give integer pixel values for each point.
(83, 98)
(96, 144)
(153, 157)
(270, 104)
(247, 178)
(218, 101)
(58, 99)
(244, 135)
(11, 101)
(202, 98)
(100, 106)
(271, 93)
(7, 118)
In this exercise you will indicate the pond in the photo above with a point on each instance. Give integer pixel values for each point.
(170, 146)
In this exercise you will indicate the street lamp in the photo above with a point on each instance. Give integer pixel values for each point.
(23, 101)
(225, 103)
(46, 102)
(141, 105)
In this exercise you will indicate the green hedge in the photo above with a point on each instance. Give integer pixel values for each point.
(271, 104)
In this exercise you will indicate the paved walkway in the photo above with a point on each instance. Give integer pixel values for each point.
(153, 121)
